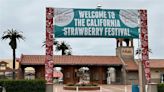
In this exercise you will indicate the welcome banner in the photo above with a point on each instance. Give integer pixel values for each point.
(108, 23)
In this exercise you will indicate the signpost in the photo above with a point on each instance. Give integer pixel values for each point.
(108, 23)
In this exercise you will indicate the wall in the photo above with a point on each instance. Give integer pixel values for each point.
(126, 53)
(40, 71)
(68, 76)
(132, 77)
(98, 74)
(10, 63)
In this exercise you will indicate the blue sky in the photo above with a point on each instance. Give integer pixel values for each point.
(28, 16)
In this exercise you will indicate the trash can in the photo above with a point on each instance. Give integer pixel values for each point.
(135, 88)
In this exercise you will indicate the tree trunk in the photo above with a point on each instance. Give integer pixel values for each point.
(13, 64)
(63, 52)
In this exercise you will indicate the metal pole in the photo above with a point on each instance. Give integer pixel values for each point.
(56, 89)
(77, 89)
(141, 75)
(140, 66)
(3, 89)
(100, 88)
(125, 88)
(125, 78)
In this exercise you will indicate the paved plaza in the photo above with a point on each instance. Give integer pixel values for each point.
(104, 88)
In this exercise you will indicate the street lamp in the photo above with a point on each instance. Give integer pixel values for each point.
(99, 6)
(125, 65)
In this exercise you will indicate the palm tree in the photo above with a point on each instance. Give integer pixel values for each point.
(64, 47)
(55, 42)
(139, 51)
(69, 52)
(61, 46)
(12, 35)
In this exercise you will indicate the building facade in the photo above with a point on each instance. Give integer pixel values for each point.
(119, 69)
(6, 69)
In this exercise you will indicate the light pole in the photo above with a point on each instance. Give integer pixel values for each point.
(125, 65)
(141, 71)
(99, 6)
(141, 77)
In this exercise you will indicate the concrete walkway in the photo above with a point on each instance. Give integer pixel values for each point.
(105, 88)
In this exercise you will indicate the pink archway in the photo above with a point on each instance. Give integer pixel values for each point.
(49, 44)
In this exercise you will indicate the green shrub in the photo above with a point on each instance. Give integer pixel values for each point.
(94, 84)
(161, 87)
(70, 84)
(23, 85)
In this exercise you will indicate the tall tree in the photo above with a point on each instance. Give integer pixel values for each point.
(139, 51)
(64, 47)
(61, 46)
(55, 43)
(13, 36)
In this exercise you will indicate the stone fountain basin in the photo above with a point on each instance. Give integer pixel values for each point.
(81, 87)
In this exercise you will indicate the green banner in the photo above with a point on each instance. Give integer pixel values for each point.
(109, 23)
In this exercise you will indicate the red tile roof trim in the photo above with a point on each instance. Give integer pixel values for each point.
(131, 66)
(71, 60)
(156, 63)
